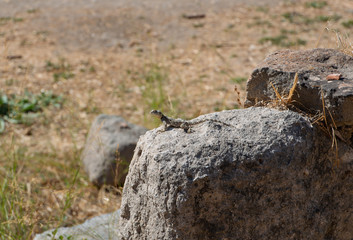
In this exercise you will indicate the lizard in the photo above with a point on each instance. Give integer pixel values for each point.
(181, 123)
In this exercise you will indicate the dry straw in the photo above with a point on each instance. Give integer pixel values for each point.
(286, 100)
(329, 127)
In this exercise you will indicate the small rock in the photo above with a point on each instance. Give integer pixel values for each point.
(334, 76)
(99, 156)
(100, 227)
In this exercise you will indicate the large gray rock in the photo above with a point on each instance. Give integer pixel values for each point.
(100, 227)
(99, 156)
(313, 67)
(270, 176)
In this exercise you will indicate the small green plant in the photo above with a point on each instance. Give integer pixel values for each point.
(297, 18)
(61, 70)
(63, 75)
(153, 87)
(316, 4)
(289, 16)
(17, 19)
(238, 79)
(286, 31)
(322, 18)
(151, 83)
(348, 24)
(33, 10)
(278, 40)
(42, 33)
(260, 22)
(198, 25)
(230, 26)
(335, 17)
(4, 110)
(262, 9)
(282, 40)
(10, 82)
(300, 41)
(4, 20)
(87, 67)
(24, 109)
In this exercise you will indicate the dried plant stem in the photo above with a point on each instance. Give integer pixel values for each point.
(291, 91)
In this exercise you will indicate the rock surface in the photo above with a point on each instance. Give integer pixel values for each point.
(269, 176)
(99, 155)
(313, 67)
(100, 227)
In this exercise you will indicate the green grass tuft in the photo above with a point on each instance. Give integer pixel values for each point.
(14, 209)
(238, 79)
(152, 84)
(61, 70)
(316, 4)
(282, 40)
(348, 24)
(24, 109)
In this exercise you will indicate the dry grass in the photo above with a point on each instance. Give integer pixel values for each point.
(328, 126)
(42, 181)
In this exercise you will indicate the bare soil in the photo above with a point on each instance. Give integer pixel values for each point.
(98, 25)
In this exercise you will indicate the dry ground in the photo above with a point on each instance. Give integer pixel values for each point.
(185, 67)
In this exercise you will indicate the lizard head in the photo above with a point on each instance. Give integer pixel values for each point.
(156, 113)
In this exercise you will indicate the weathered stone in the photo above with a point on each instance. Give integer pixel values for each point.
(269, 176)
(99, 156)
(100, 227)
(313, 67)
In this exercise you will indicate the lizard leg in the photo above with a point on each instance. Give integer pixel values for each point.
(165, 126)
(186, 127)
